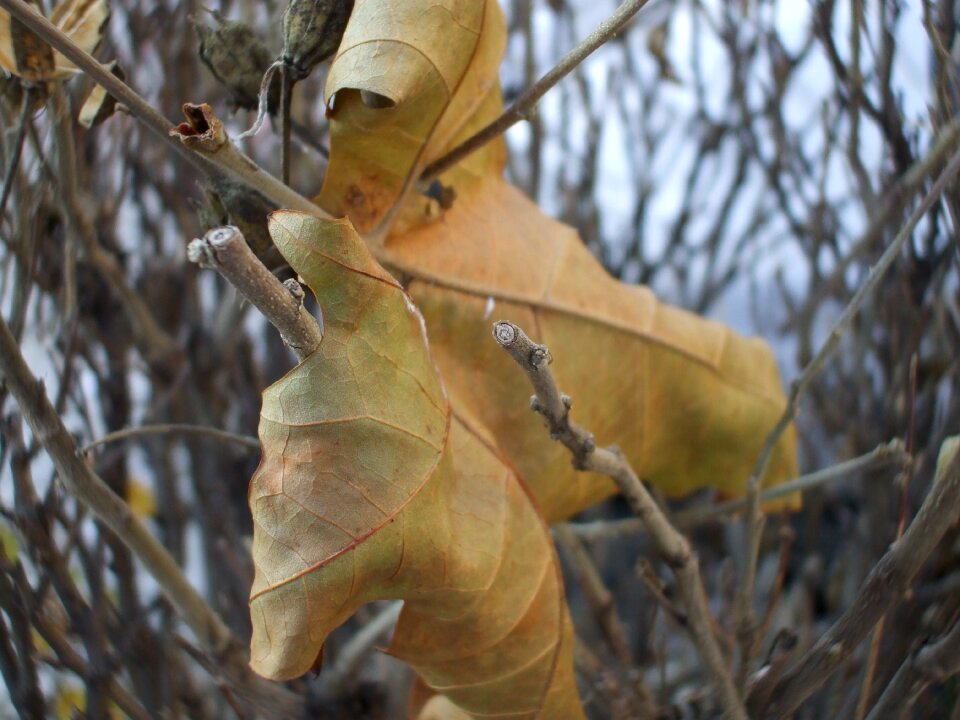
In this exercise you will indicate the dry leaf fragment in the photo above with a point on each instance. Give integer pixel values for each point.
(100, 104)
(687, 400)
(33, 58)
(24, 54)
(434, 65)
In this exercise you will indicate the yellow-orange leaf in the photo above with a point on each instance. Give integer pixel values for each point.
(370, 488)
(687, 400)
(435, 62)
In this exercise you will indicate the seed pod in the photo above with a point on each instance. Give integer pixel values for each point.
(312, 31)
(237, 58)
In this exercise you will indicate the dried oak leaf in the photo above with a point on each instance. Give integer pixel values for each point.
(688, 400)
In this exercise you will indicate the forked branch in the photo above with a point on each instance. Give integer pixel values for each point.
(282, 304)
(84, 484)
(746, 619)
(885, 585)
(672, 546)
(523, 105)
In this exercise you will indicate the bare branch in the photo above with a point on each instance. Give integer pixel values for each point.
(673, 547)
(230, 162)
(158, 348)
(14, 160)
(885, 585)
(891, 453)
(226, 250)
(934, 662)
(251, 443)
(90, 489)
(522, 107)
(746, 618)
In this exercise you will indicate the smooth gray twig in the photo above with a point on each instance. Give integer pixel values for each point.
(889, 453)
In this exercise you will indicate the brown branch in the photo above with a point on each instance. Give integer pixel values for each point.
(890, 453)
(522, 106)
(618, 705)
(14, 160)
(74, 660)
(159, 349)
(656, 588)
(672, 546)
(934, 662)
(746, 617)
(205, 137)
(229, 162)
(889, 579)
(225, 250)
(17, 648)
(90, 489)
(604, 608)
(597, 594)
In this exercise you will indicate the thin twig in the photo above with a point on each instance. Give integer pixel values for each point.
(204, 134)
(604, 608)
(787, 537)
(14, 160)
(229, 163)
(671, 545)
(888, 453)
(618, 705)
(746, 617)
(226, 250)
(885, 585)
(934, 662)
(286, 99)
(337, 678)
(70, 658)
(159, 349)
(656, 588)
(903, 481)
(522, 107)
(246, 441)
(597, 594)
(92, 491)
